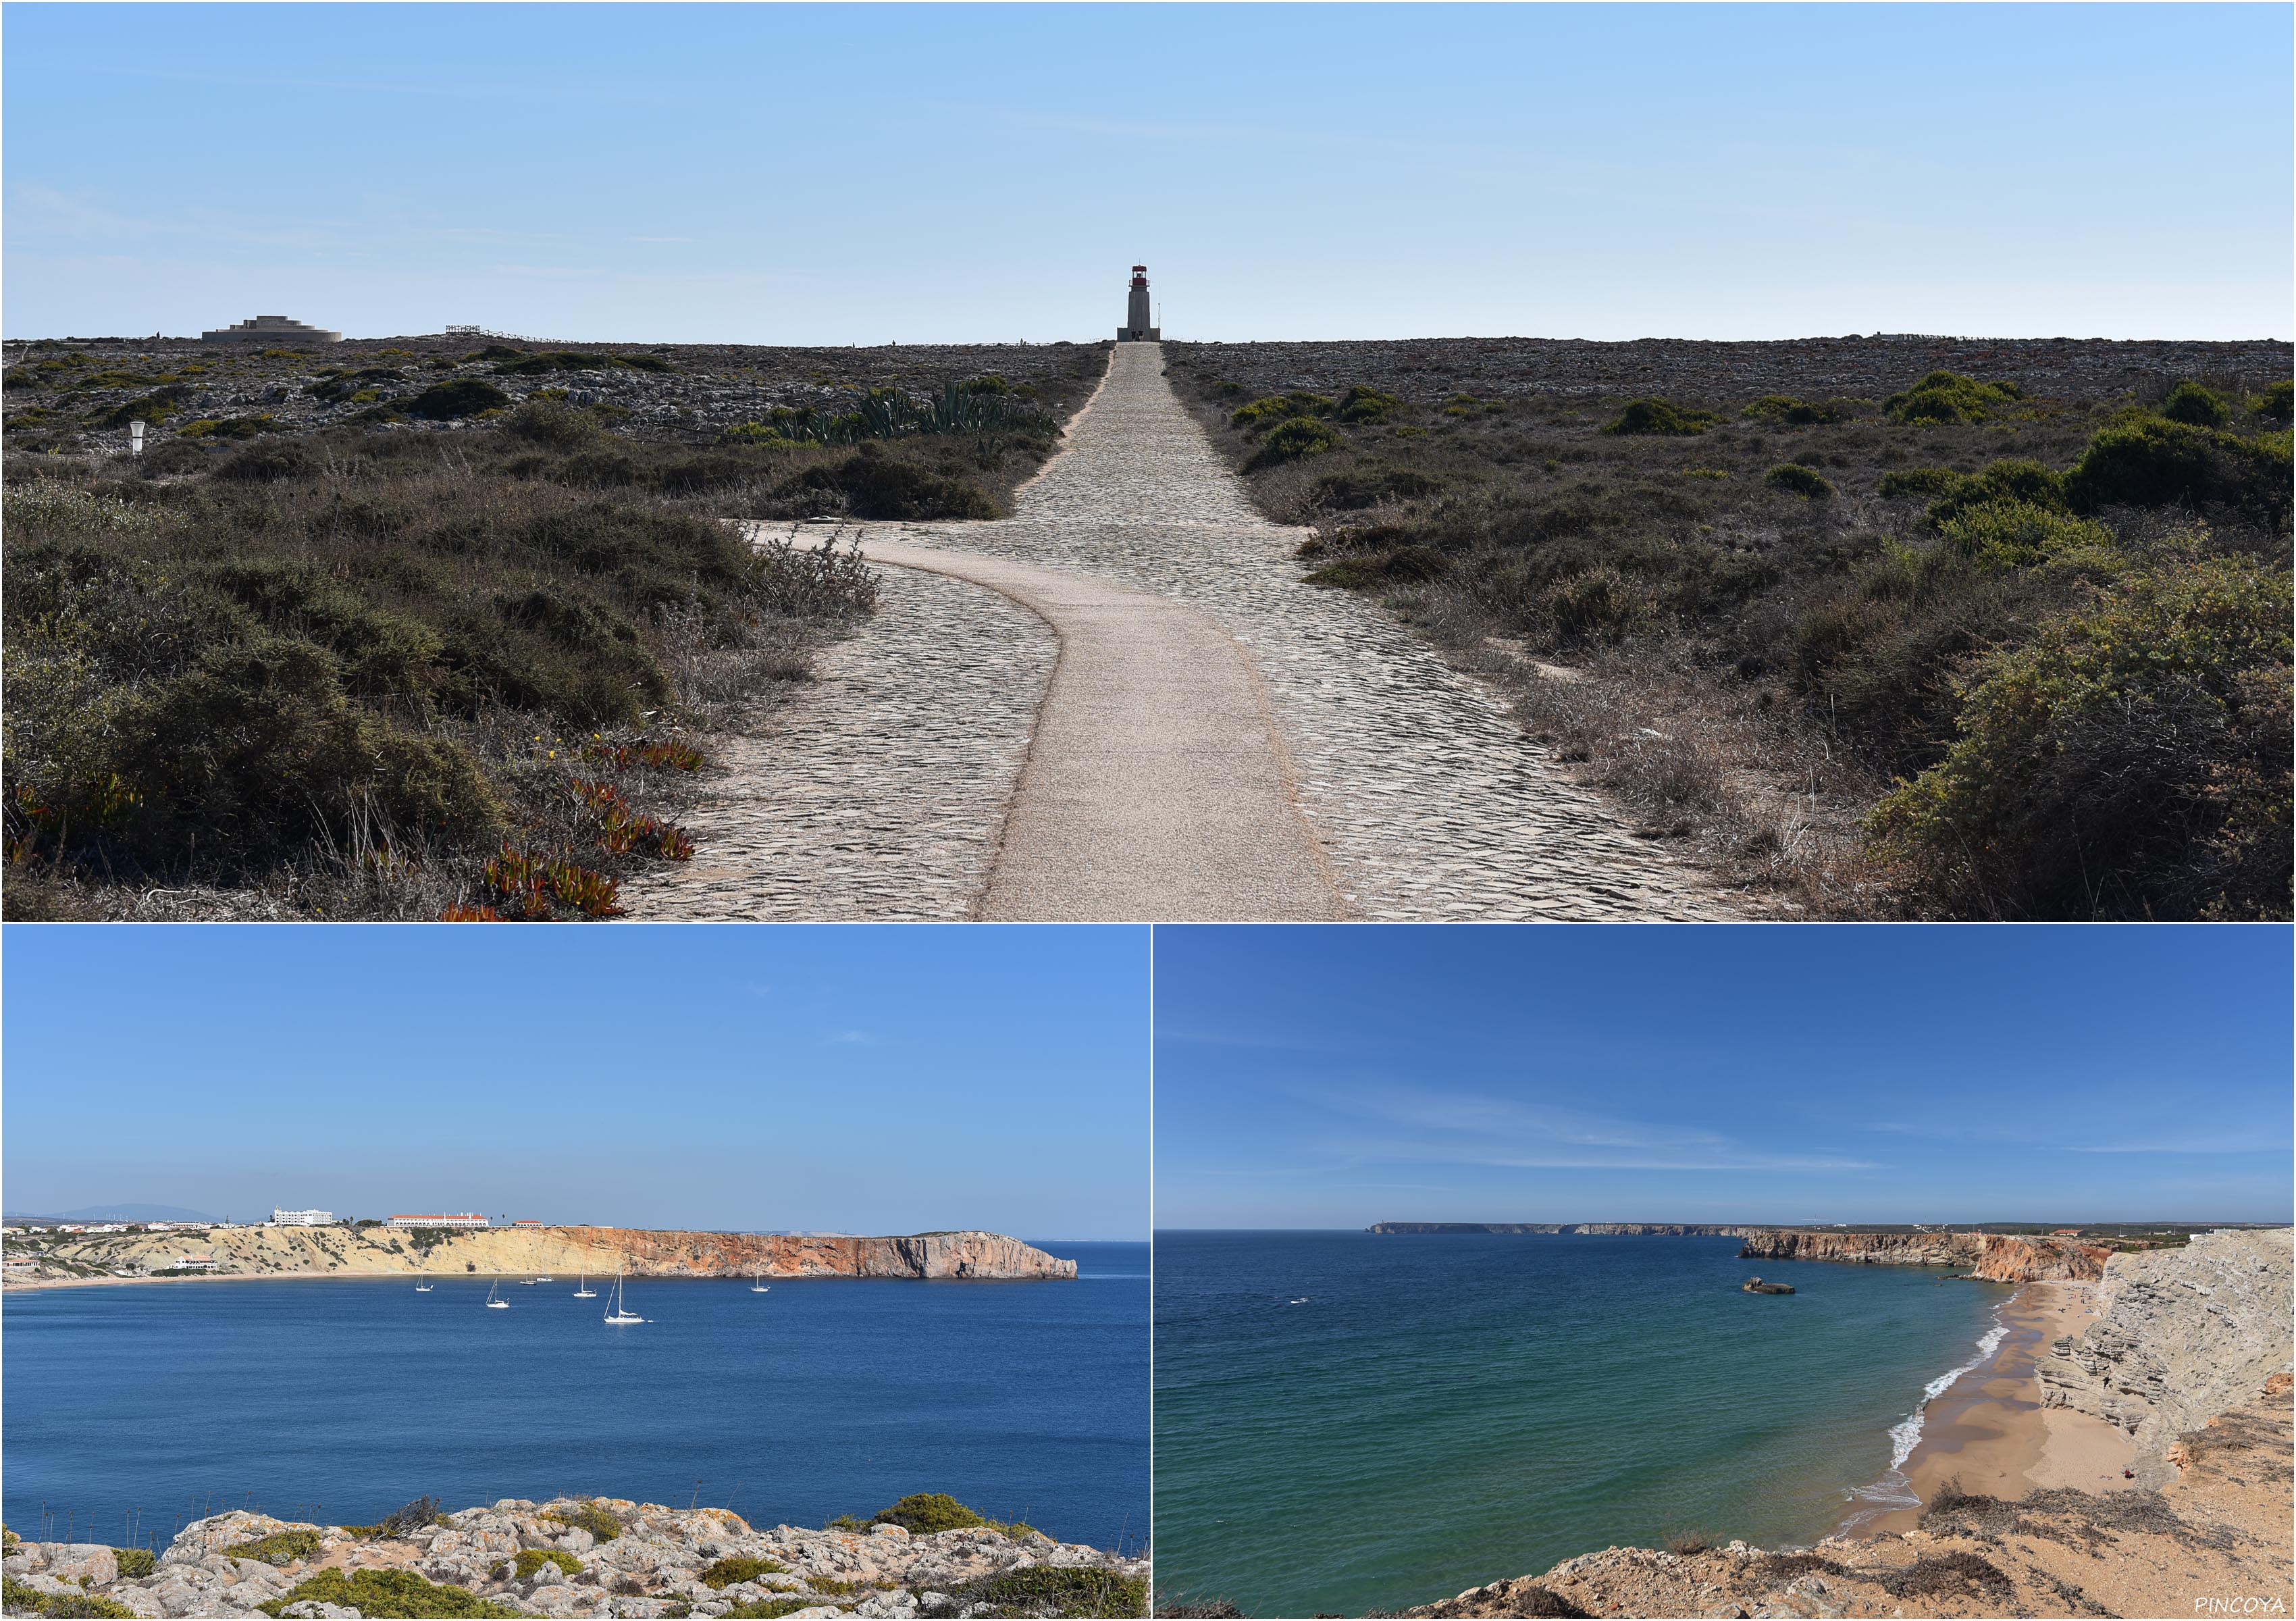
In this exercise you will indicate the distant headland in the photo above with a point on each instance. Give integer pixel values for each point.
(2024, 1253)
(379, 1250)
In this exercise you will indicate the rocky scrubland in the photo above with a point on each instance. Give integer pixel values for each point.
(1880, 626)
(924, 1556)
(440, 642)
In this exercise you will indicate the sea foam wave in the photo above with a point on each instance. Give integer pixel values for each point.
(1893, 1488)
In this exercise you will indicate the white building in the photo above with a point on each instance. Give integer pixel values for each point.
(302, 1218)
(468, 1219)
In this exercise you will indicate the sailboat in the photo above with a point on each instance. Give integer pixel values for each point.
(757, 1285)
(495, 1302)
(618, 1312)
(422, 1289)
(582, 1290)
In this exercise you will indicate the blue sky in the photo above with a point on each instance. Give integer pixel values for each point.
(795, 174)
(1333, 1078)
(859, 1079)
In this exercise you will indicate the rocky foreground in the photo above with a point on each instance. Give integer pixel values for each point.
(378, 1251)
(2192, 1356)
(579, 1556)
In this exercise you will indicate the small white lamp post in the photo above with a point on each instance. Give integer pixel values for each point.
(134, 439)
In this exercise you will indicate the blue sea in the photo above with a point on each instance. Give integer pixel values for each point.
(1346, 1423)
(346, 1399)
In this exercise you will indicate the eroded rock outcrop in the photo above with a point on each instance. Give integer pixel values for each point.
(1998, 1257)
(595, 1557)
(2180, 1334)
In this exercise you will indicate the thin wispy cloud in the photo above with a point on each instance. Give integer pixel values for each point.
(850, 1038)
(1426, 1124)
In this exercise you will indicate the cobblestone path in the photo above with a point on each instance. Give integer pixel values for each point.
(1428, 801)
(880, 791)
(905, 783)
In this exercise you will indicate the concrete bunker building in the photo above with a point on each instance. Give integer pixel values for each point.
(1136, 313)
(270, 329)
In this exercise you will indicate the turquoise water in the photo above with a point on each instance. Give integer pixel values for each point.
(1445, 1411)
(345, 1398)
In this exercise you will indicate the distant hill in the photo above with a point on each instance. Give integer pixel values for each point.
(122, 1213)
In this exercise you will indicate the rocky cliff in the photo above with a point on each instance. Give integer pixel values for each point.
(2003, 1258)
(646, 1253)
(2181, 1332)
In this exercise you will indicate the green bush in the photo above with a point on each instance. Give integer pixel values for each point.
(136, 1563)
(1797, 479)
(552, 424)
(1361, 403)
(2188, 402)
(877, 486)
(2272, 405)
(2147, 461)
(1658, 417)
(279, 1548)
(462, 397)
(2028, 483)
(1919, 483)
(769, 1609)
(1599, 604)
(729, 1572)
(386, 1592)
(1944, 399)
(2019, 534)
(22, 1599)
(1059, 1589)
(1785, 411)
(647, 363)
(532, 1559)
(922, 1513)
(588, 1515)
(1279, 408)
(2131, 761)
(1294, 440)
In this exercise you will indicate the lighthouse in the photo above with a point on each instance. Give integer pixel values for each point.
(1136, 313)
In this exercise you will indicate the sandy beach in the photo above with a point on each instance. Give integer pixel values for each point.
(1989, 1431)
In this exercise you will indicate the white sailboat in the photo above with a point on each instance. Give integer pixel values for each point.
(618, 1312)
(582, 1290)
(757, 1285)
(422, 1289)
(495, 1302)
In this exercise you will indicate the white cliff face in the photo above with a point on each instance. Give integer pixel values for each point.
(2184, 1334)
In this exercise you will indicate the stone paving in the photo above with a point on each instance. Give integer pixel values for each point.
(883, 791)
(1429, 801)
(879, 792)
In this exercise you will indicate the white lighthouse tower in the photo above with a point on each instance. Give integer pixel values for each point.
(1136, 313)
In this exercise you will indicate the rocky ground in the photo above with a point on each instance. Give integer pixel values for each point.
(550, 1558)
(62, 393)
